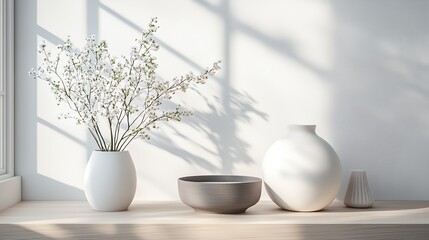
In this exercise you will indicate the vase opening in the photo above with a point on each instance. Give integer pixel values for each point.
(305, 128)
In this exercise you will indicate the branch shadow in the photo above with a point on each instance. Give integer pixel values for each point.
(219, 124)
(219, 127)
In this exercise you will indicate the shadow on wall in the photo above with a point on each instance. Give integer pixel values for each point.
(379, 85)
(280, 45)
(380, 111)
(26, 114)
(218, 125)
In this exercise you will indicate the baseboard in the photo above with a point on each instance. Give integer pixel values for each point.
(10, 192)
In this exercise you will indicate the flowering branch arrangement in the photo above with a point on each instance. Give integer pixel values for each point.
(119, 99)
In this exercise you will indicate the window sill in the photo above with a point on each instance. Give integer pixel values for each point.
(173, 220)
(10, 192)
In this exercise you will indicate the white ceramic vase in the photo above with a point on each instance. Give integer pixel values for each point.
(301, 171)
(358, 194)
(110, 181)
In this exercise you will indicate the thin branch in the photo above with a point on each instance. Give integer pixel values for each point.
(111, 99)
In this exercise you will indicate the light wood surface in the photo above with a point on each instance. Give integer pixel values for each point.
(173, 220)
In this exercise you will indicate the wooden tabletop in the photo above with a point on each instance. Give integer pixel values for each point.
(63, 212)
(386, 220)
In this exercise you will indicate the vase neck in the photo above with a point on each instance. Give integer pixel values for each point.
(302, 128)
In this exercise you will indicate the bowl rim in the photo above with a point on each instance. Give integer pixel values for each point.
(248, 179)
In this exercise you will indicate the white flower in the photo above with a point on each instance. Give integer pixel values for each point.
(118, 99)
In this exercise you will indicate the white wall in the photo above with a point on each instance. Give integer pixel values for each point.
(357, 69)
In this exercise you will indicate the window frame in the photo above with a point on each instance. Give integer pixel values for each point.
(7, 81)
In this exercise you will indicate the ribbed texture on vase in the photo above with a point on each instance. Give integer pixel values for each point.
(358, 194)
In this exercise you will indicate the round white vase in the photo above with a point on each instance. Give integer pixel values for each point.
(301, 171)
(110, 181)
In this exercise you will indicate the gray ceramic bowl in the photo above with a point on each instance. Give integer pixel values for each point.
(220, 193)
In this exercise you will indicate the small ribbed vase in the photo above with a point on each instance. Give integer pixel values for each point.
(358, 194)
